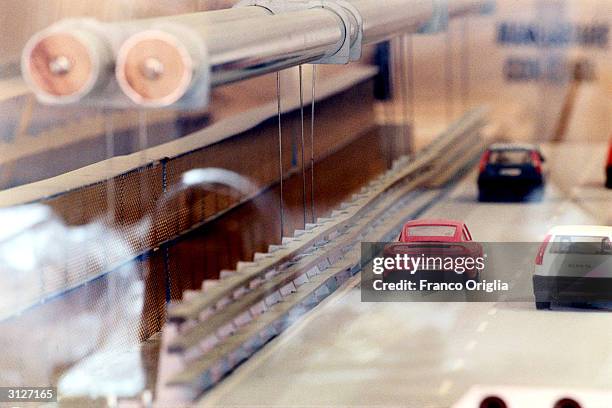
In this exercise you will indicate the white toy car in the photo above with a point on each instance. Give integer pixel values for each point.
(574, 266)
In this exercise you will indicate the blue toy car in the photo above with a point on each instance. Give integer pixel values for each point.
(511, 171)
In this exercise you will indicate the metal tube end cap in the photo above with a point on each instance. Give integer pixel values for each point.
(60, 66)
(154, 68)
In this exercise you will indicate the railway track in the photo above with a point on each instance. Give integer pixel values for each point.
(213, 330)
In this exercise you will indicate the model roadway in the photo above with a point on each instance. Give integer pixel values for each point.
(349, 353)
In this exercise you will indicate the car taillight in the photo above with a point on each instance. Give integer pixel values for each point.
(484, 160)
(537, 163)
(540, 256)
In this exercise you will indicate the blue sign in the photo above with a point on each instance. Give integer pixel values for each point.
(560, 35)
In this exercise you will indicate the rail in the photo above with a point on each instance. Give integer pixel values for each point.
(213, 330)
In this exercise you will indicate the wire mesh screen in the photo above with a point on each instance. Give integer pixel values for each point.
(107, 257)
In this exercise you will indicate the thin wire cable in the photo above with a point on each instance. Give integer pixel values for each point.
(280, 156)
(396, 65)
(449, 76)
(404, 85)
(465, 66)
(312, 160)
(110, 153)
(387, 101)
(146, 198)
(143, 144)
(302, 147)
(411, 93)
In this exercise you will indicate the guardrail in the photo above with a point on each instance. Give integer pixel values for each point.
(213, 330)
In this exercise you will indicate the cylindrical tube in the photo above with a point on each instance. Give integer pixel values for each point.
(73, 58)
(210, 17)
(288, 40)
(64, 63)
(161, 60)
(385, 19)
(234, 50)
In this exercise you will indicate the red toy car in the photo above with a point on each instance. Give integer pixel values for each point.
(609, 167)
(437, 238)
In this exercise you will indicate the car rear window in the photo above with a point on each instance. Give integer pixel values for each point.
(510, 157)
(432, 231)
(571, 244)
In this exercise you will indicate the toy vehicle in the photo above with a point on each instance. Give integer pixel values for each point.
(437, 238)
(573, 266)
(609, 167)
(510, 171)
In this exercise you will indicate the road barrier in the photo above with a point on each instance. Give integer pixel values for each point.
(211, 331)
